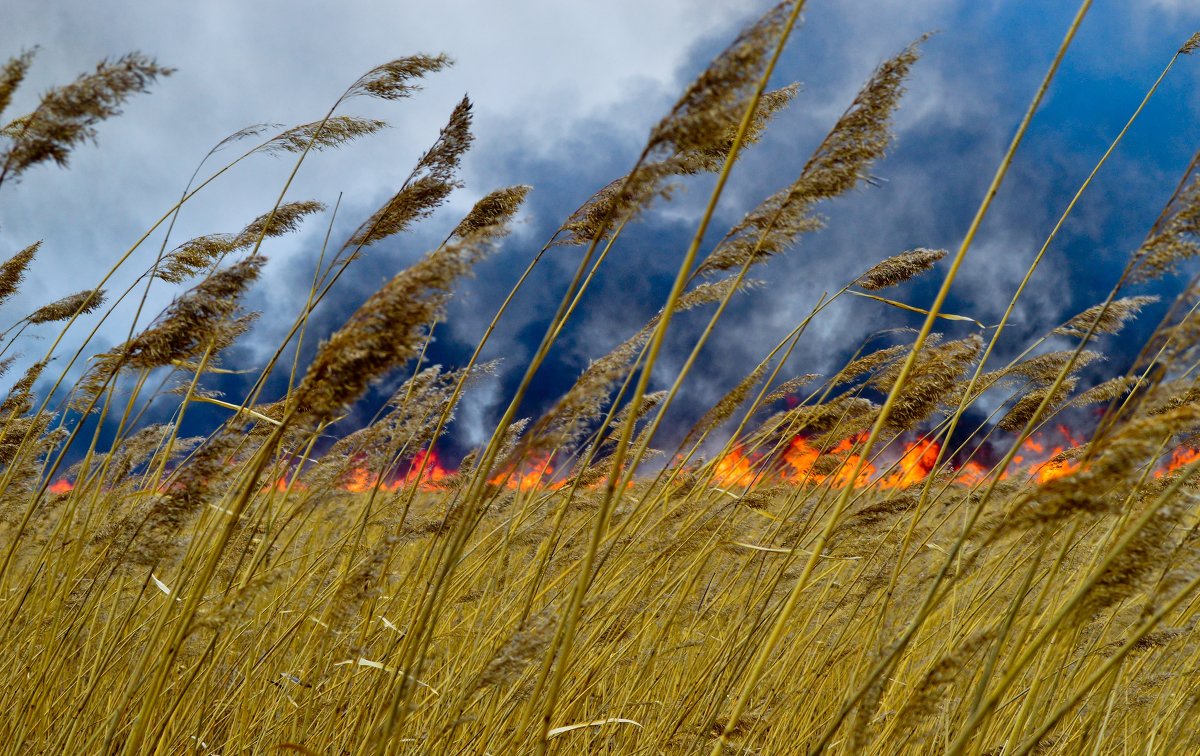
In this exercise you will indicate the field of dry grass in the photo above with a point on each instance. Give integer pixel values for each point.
(822, 565)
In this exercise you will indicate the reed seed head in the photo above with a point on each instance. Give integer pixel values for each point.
(79, 303)
(67, 116)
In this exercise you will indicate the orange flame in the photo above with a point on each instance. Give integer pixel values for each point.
(426, 465)
(61, 486)
(362, 480)
(800, 456)
(535, 474)
(734, 469)
(1181, 456)
(919, 458)
(1048, 468)
(972, 473)
(1035, 458)
(358, 480)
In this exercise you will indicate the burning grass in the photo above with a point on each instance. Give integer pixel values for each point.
(823, 564)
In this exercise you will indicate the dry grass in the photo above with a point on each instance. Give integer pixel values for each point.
(837, 577)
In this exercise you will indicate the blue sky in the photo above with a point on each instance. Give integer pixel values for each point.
(565, 94)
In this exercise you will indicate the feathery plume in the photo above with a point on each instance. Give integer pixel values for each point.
(621, 198)
(198, 255)
(442, 159)
(649, 403)
(496, 209)
(394, 80)
(409, 425)
(711, 158)
(79, 303)
(246, 132)
(838, 419)
(1191, 45)
(414, 202)
(1045, 367)
(859, 367)
(704, 107)
(722, 410)
(20, 395)
(861, 135)
(12, 271)
(428, 185)
(67, 116)
(565, 422)
(788, 388)
(709, 292)
(1110, 390)
(508, 443)
(1175, 236)
(387, 331)
(282, 220)
(625, 197)
(322, 135)
(1022, 412)
(193, 321)
(12, 75)
(932, 381)
(137, 450)
(766, 231)
(859, 138)
(1110, 319)
(900, 268)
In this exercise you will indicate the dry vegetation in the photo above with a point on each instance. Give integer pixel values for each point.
(837, 577)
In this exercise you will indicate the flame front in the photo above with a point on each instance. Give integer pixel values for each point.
(734, 469)
(1181, 456)
(425, 471)
(532, 475)
(919, 458)
(801, 464)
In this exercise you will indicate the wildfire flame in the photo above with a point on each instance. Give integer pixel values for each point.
(800, 464)
(919, 458)
(534, 474)
(972, 473)
(734, 469)
(803, 463)
(425, 471)
(1182, 455)
(801, 457)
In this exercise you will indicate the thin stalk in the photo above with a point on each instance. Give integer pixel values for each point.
(781, 620)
